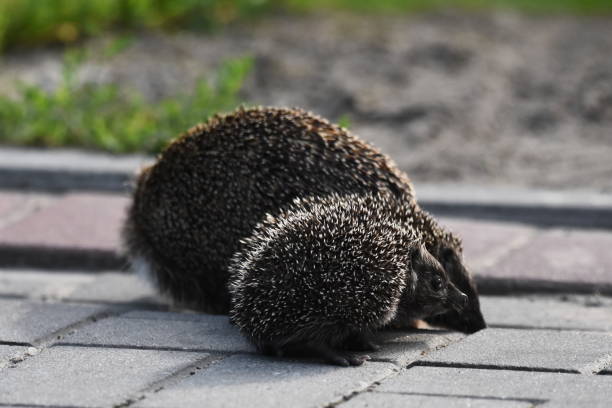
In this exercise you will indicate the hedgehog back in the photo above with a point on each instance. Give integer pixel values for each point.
(212, 186)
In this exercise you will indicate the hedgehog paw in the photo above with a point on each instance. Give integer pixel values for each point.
(360, 342)
(338, 357)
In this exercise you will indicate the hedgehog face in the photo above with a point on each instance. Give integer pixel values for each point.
(469, 319)
(433, 292)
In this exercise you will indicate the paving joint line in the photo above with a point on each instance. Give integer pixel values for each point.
(60, 258)
(54, 337)
(49, 340)
(132, 347)
(561, 329)
(367, 389)
(130, 305)
(534, 401)
(525, 286)
(16, 343)
(2, 404)
(174, 378)
(397, 371)
(420, 363)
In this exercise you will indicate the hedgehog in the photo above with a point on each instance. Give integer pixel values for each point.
(325, 273)
(209, 188)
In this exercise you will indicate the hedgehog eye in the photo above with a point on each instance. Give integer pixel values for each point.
(436, 283)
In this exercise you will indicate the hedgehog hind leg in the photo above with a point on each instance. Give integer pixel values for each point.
(315, 349)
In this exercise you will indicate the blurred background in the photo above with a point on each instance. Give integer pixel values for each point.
(501, 92)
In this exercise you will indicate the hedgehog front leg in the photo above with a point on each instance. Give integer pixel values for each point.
(337, 357)
(320, 350)
(359, 341)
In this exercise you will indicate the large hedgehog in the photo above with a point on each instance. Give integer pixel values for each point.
(323, 274)
(210, 187)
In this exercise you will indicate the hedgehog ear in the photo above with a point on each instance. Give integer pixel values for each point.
(447, 255)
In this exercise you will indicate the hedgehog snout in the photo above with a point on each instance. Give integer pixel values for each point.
(457, 298)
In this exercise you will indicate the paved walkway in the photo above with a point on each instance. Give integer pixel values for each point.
(76, 331)
(105, 340)
(81, 230)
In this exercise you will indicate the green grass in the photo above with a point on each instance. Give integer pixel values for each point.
(33, 22)
(99, 116)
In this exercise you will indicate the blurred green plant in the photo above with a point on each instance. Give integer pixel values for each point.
(344, 121)
(32, 22)
(100, 116)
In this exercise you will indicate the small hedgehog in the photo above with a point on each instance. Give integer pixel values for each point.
(211, 186)
(325, 273)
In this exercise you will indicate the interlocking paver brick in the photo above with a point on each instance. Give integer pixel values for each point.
(539, 349)
(404, 347)
(38, 284)
(591, 391)
(560, 255)
(30, 321)
(9, 202)
(164, 330)
(86, 221)
(485, 242)
(107, 287)
(546, 312)
(389, 400)
(15, 206)
(88, 377)
(260, 381)
(116, 287)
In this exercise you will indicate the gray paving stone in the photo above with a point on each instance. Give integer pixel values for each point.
(37, 284)
(572, 389)
(116, 287)
(484, 242)
(88, 377)
(28, 321)
(404, 347)
(389, 400)
(260, 381)
(106, 287)
(547, 312)
(541, 349)
(562, 256)
(165, 330)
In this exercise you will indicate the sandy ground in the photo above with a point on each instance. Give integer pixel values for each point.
(496, 99)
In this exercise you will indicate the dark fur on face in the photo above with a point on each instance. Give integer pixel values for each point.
(470, 318)
(434, 292)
